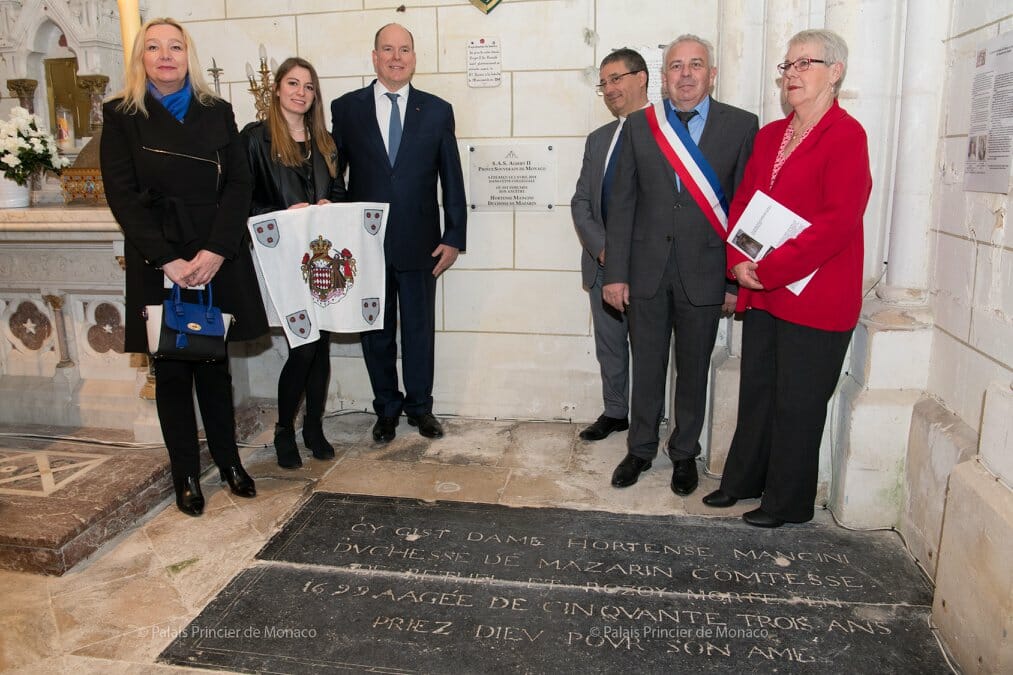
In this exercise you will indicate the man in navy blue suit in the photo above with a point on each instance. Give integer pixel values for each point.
(396, 141)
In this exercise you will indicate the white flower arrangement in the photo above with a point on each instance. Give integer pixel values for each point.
(26, 148)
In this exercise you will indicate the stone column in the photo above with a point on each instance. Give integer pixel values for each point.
(742, 82)
(917, 143)
(95, 86)
(886, 373)
(24, 90)
(55, 303)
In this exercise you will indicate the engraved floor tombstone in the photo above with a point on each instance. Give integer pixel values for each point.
(395, 585)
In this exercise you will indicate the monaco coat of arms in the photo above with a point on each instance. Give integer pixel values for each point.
(329, 273)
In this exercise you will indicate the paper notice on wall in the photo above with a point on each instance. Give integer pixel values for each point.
(990, 132)
(485, 66)
(653, 55)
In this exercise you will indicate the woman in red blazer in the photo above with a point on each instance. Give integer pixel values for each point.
(816, 163)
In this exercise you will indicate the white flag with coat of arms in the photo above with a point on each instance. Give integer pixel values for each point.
(322, 268)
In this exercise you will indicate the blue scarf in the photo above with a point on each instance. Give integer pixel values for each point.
(178, 102)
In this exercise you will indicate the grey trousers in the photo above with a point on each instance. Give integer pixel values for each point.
(612, 348)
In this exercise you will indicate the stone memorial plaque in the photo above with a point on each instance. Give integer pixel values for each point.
(514, 176)
(458, 587)
(596, 550)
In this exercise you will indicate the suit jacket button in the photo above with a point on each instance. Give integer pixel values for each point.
(668, 237)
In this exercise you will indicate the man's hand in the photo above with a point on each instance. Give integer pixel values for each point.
(300, 205)
(601, 258)
(616, 295)
(745, 274)
(728, 306)
(448, 256)
(204, 267)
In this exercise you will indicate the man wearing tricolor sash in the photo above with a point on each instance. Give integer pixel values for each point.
(680, 163)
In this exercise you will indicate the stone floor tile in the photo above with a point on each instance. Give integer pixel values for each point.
(28, 635)
(125, 556)
(540, 445)
(23, 588)
(470, 443)
(105, 611)
(421, 481)
(142, 645)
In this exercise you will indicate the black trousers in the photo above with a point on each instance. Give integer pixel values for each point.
(306, 370)
(652, 322)
(411, 297)
(175, 382)
(789, 372)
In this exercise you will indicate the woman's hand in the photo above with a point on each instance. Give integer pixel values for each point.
(745, 274)
(323, 201)
(204, 267)
(300, 205)
(177, 271)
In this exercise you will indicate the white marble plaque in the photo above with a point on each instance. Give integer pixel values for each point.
(520, 176)
(485, 65)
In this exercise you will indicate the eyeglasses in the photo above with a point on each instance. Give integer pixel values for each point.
(801, 65)
(613, 79)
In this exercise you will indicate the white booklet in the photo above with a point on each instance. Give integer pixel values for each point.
(765, 225)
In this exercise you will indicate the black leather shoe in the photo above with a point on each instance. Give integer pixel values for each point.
(313, 437)
(719, 500)
(428, 425)
(684, 476)
(629, 470)
(285, 447)
(189, 498)
(385, 429)
(603, 426)
(239, 481)
(760, 518)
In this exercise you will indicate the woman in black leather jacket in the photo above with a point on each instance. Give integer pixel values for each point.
(294, 164)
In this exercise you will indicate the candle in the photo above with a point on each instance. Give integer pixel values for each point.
(130, 24)
(263, 53)
(274, 66)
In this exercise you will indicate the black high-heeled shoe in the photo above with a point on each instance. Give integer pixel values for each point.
(189, 498)
(239, 481)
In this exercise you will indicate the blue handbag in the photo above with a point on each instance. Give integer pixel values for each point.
(187, 330)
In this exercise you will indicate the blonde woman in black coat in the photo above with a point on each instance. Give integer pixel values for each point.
(177, 181)
(294, 164)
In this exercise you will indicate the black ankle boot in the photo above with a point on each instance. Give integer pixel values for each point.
(313, 436)
(239, 481)
(285, 447)
(189, 499)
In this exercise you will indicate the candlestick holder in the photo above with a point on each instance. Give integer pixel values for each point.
(216, 74)
(261, 90)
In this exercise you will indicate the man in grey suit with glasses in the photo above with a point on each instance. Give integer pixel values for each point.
(622, 83)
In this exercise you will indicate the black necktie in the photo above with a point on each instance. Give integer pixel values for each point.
(685, 117)
(610, 172)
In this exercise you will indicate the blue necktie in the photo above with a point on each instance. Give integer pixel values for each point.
(610, 172)
(394, 130)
